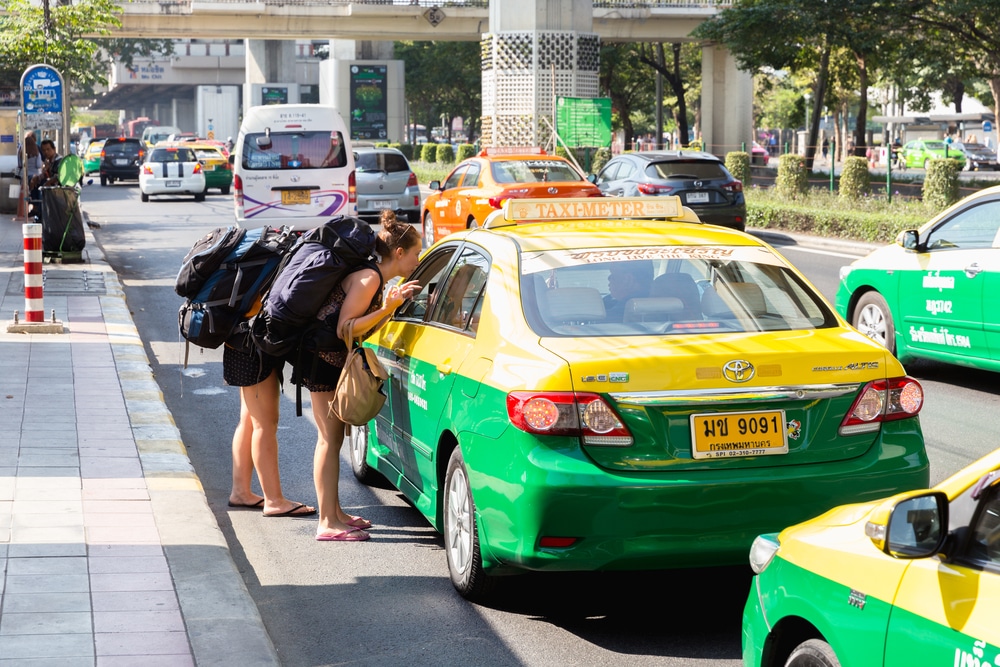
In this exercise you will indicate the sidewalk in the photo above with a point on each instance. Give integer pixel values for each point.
(109, 553)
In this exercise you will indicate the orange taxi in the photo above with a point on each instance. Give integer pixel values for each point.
(478, 186)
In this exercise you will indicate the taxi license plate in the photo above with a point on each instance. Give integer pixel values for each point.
(717, 435)
(294, 196)
(697, 197)
(383, 203)
(173, 184)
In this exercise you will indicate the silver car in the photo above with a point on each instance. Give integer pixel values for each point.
(385, 181)
(977, 156)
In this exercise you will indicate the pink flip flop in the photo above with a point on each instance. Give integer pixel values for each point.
(359, 522)
(352, 535)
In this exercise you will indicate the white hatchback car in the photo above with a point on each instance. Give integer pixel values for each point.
(172, 170)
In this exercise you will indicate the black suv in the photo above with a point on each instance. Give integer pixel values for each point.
(121, 158)
(700, 179)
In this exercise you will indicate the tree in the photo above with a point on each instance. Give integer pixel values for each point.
(674, 75)
(626, 81)
(430, 94)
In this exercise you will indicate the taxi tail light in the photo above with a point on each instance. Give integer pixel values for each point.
(197, 168)
(146, 169)
(352, 189)
(882, 401)
(650, 189)
(579, 414)
(497, 202)
(238, 189)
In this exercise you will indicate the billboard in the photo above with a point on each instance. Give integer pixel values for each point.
(584, 121)
(369, 102)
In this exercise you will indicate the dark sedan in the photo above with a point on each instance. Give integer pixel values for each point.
(700, 179)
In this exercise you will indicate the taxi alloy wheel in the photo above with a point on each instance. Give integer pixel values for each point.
(461, 538)
(873, 318)
(813, 653)
(358, 448)
(428, 231)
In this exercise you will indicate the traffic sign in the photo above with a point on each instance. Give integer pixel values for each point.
(41, 90)
(987, 126)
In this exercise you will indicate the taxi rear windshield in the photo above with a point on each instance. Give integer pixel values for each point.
(533, 171)
(294, 150)
(665, 290)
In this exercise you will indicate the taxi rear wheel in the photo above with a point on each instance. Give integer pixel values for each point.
(471, 223)
(461, 537)
(813, 653)
(428, 230)
(873, 318)
(358, 447)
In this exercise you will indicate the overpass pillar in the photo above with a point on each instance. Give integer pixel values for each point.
(538, 50)
(726, 102)
(269, 61)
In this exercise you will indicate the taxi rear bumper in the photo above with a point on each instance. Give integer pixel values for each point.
(663, 520)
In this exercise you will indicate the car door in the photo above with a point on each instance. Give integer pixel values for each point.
(454, 208)
(432, 352)
(944, 303)
(947, 612)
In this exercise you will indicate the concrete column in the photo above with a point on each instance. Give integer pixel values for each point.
(269, 61)
(726, 102)
(539, 50)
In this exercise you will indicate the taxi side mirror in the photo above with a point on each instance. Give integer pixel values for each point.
(913, 525)
(592, 178)
(909, 239)
(435, 185)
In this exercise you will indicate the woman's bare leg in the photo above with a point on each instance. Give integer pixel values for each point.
(326, 466)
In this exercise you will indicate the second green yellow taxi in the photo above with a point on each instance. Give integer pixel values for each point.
(910, 580)
(607, 383)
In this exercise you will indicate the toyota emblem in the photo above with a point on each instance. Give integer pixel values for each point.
(738, 370)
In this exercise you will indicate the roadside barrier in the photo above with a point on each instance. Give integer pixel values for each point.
(33, 298)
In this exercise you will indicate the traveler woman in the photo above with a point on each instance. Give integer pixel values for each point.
(360, 297)
(255, 441)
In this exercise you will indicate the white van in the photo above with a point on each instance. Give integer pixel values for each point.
(292, 165)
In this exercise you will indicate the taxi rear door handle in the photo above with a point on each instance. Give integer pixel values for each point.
(444, 369)
(972, 270)
(399, 351)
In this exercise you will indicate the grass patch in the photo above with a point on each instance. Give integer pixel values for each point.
(818, 212)
(430, 171)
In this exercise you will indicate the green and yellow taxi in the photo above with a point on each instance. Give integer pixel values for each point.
(919, 152)
(910, 580)
(92, 156)
(215, 163)
(928, 294)
(608, 384)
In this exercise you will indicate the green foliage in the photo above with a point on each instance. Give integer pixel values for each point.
(405, 149)
(855, 179)
(445, 154)
(738, 164)
(429, 93)
(427, 172)
(941, 183)
(601, 158)
(793, 180)
(26, 40)
(822, 213)
(465, 151)
(429, 153)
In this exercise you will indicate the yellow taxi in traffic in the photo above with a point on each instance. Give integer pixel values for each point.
(480, 185)
(608, 384)
(911, 580)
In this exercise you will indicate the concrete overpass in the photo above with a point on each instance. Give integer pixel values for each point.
(614, 20)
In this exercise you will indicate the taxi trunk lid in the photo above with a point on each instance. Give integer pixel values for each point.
(728, 401)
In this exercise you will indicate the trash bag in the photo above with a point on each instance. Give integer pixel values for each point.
(62, 220)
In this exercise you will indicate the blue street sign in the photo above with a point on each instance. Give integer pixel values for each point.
(987, 126)
(41, 90)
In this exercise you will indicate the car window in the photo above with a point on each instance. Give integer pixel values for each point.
(295, 150)
(626, 170)
(984, 534)
(665, 290)
(471, 179)
(208, 154)
(366, 162)
(429, 273)
(456, 177)
(608, 173)
(394, 162)
(687, 169)
(121, 147)
(172, 155)
(532, 171)
(975, 227)
(461, 292)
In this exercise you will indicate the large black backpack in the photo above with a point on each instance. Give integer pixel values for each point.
(223, 277)
(323, 258)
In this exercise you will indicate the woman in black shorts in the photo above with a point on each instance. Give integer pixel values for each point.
(255, 441)
(358, 297)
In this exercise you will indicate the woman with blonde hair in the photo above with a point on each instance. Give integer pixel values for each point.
(361, 297)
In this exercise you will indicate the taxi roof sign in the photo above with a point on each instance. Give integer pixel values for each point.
(591, 208)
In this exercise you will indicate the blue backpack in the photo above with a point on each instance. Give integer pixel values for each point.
(223, 277)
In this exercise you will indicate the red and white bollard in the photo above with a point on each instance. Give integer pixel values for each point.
(33, 301)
